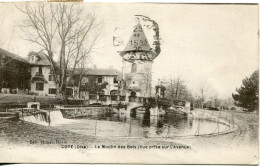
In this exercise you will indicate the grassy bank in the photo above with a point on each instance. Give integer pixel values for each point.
(10, 99)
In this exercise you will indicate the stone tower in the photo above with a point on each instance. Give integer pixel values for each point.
(137, 59)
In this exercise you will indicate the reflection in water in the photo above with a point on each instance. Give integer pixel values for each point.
(146, 119)
(133, 113)
(159, 126)
(140, 124)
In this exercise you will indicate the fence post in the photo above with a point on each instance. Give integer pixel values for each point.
(50, 116)
(130, 128)
(22, 114)
(199, 128)
(229, 123)
(168, 131)
(233, 118)
(96, 128)
(218, 125)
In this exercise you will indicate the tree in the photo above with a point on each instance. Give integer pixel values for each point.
(203, 92)
(64, 28)
(176, 89)
(92, 86)
(215, 101)
(247, 95)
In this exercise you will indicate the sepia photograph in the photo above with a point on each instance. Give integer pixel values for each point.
(129, 83)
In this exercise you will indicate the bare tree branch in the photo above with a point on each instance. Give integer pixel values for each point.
(68, 27)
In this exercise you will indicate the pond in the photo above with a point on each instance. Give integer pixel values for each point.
(138, 125)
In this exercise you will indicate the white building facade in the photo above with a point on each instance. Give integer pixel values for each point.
(42, 80)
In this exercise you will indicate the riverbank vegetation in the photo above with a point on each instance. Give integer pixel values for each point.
(20, 99)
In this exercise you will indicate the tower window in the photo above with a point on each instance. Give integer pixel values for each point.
(134, 68)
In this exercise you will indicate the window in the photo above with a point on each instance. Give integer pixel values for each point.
(115, 80)
(52, 91)
(40, 70)
(114, 92)
(114, 98)
(69, 91)
(100, 80)
(39, 86)
(134, 68)
(51, 78)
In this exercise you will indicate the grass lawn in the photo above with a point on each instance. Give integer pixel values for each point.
(9, 99)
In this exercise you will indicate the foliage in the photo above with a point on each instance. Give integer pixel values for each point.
(94, 87)
(247, 95)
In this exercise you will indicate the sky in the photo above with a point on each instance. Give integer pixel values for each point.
(216, 44)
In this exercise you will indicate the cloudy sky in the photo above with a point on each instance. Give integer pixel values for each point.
(217, 44)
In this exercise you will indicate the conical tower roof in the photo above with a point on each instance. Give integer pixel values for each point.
(138, 40)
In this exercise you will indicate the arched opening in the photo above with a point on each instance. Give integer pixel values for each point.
(133, 94)
(114, 92)
(134, 68)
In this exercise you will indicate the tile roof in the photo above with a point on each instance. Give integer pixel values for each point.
(42, 59)
(101, 72)
(13, 56)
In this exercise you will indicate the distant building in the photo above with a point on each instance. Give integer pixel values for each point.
(14, 73)
(94, 76)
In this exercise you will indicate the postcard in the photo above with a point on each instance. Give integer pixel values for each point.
(130, 83)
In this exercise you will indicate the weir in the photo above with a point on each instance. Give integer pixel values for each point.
(39, 118)
(46, 118)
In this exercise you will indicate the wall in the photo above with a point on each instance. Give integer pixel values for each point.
(45, 73)
(111, 85)
(14, 74)
(142, 77)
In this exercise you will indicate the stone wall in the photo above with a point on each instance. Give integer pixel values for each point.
(71, 113)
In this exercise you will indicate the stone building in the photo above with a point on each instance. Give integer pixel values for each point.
(137, 64)
(14, 73)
